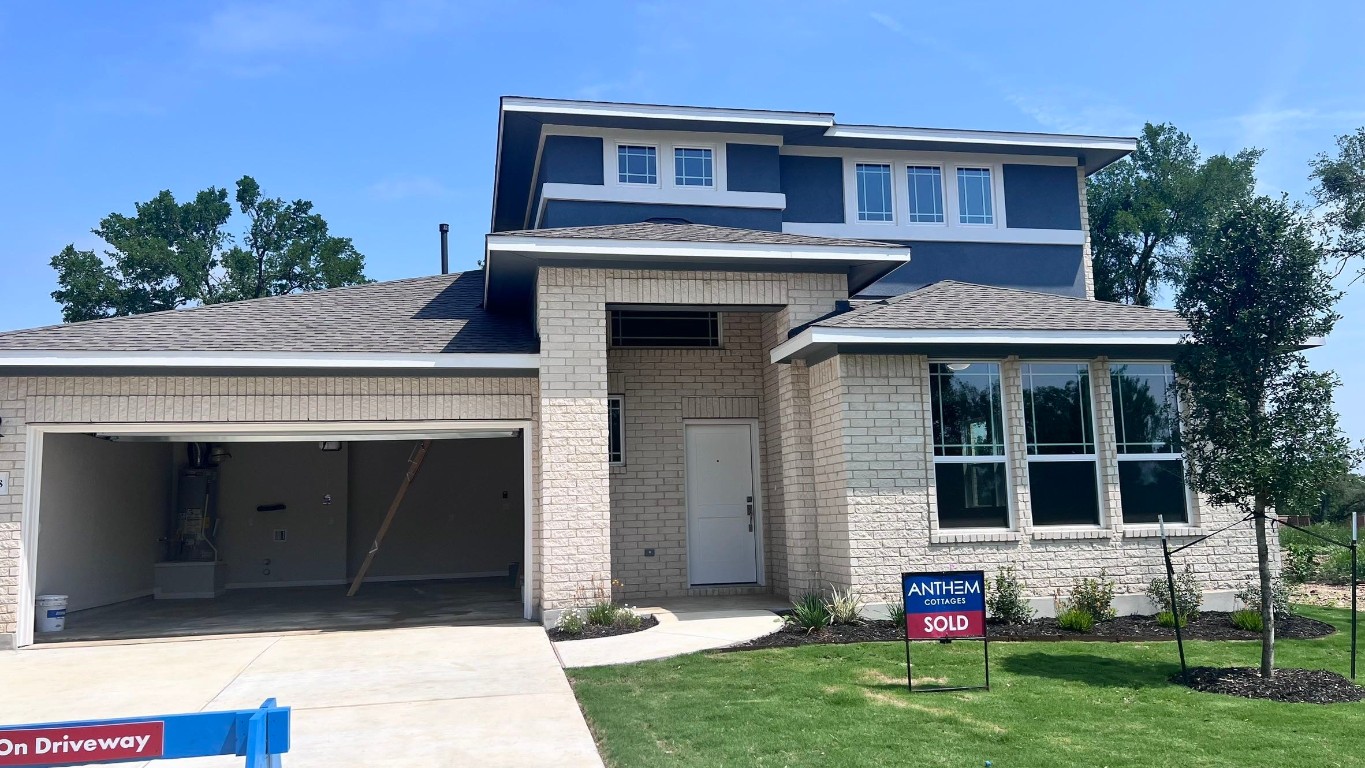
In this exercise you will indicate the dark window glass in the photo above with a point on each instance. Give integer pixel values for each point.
(637, 328)
(615, 431)
(972, 495)
(1152, 488)
(966, 409)
(1064, 492)
(1057, 418)
(1146, 413)
(637, 164)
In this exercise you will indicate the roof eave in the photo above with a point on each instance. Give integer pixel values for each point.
(329, 361)
(817, 339)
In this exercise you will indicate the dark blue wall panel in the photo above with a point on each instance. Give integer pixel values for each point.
(572, 160)
(1042, 197)
(752, 168)
(1058, 269)
(579, 213)
(814, 187)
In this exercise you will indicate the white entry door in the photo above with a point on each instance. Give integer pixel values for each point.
(722, 522)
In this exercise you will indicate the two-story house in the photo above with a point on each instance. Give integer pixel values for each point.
(710, 352)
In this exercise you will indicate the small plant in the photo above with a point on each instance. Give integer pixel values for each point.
(603, 613)
(1301, 562)
(1005, 598)
(627, 618)
(1336, 569)
(845, 607)
(1167, 619)
(809, 612)
(1094, 597)
(570, 622)
(1188, 594)
(1076, 620)
(1247, 619)
(896, 613)
(1250, 595)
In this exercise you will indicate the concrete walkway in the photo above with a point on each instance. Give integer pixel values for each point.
(418, 697)
(686, 625)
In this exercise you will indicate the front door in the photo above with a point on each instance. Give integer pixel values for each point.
(722, 538)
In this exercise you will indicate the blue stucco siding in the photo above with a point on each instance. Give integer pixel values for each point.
(814, 187)
(1058, 269)
(1042, 197)
(581, 213)
(752, 168)
(571, 160)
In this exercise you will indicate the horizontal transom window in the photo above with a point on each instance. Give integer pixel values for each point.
(646, 328)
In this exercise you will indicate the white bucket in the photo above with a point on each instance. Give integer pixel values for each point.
(51, 613)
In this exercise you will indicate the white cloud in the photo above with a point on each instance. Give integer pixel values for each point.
(888, 22)
(255, 28)
(407, 188)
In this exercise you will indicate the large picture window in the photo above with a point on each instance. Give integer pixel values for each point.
(1059, 429)
(969, 445)
(1151, 460)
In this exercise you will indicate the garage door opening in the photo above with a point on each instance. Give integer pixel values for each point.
(169, 535)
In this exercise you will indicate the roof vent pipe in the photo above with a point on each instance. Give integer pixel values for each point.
(445, 249)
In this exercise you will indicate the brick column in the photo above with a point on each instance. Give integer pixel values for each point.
(1016, 445)
(1087, 256)
(1106, 444)
(574, 535)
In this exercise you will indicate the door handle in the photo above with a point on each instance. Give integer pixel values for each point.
(749, 504)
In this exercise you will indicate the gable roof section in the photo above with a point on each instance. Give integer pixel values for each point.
(697, 233)
(429, 316)
(953, 305)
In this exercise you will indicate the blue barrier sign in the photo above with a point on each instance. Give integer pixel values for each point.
(259, 735)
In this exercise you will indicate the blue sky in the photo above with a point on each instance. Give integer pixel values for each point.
(384, 113)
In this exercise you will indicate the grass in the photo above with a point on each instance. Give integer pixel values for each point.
(1063, 704)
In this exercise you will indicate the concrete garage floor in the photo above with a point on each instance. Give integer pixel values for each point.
(378, 605)
(416, 697)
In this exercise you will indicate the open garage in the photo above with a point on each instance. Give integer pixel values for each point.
(221, 529)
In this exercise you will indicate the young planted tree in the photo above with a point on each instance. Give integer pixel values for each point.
(168, 255)
(1259, 429)
(1147, 210)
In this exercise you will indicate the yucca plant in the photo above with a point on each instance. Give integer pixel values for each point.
(809, 612)
(845, 607)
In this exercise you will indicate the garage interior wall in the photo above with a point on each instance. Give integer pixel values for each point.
(104, 510)
(463, 515)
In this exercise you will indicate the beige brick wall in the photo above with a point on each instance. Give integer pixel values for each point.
(227, 399)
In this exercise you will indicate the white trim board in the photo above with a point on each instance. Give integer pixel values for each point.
(665, 112)
(937, 233)
(820, 336)
(532, 244)
(322, 360)
(667, 195)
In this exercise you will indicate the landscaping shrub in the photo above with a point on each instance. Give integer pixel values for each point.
(603, 613)
(897, 614)
(845, 607)
(1094, 597)
(1187, 594)
(1167, 619)
(571, 622)
(627, 618)
(1247, 619)
(1005, 598)
(1250, 595)
(809, 612)
(1300, 562)
(1336, 569)
(1076, 620)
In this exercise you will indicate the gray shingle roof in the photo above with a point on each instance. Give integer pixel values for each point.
(696, 233)
(416, 315)
(952, 305)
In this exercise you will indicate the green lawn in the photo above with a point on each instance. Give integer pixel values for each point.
(1051, 704)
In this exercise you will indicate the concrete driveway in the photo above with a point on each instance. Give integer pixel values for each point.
(428, 696)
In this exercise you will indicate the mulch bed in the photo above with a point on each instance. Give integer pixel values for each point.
(1294, 686)
(593, 631)
(1207, 626)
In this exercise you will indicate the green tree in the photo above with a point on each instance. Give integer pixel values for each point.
(1148, 209)
(1260, 432)
(168, 255)
(1340, 192)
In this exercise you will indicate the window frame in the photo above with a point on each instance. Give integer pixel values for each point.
(611, 329)
(1011, 513)
(619, 421)
(658, 164)
(664, 144)
(673, 152)
(943, 197)
(891, 190)
(992, 173)
(1120, 456)
(948, 166)
(1101, 519)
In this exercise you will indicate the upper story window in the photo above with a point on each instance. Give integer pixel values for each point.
(925, 200)
(974, 204)
(673, 329)
(1059, 430)
(693, 167)
(970, 474)
(875, 202)
(637, 164)
(1147, 426)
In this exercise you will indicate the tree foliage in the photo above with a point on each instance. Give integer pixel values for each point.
(1340, 190)
(168, 255)
(1259, 429)
(1147, 210)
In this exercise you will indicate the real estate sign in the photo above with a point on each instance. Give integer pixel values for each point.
(947, 605)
